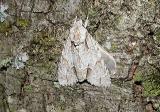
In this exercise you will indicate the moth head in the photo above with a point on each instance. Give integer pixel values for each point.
(78, 33)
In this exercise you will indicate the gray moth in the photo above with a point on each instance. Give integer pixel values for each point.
(84, 59)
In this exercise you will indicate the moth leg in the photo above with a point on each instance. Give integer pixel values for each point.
(98, 75)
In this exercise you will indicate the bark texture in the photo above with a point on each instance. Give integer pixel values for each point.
(128, 29)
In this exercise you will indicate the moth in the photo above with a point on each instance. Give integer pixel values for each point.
(84, 59)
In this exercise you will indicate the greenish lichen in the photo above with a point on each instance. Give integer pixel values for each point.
(151, 88)
(150, 82)
(44, 51)
(45, 46)
(117, 20)
(99, 37)
(158, 109)
(152, 2)
(114, 47)
(5, 27)
(23, 22)
(92, 12)
(12, 108)
(28, 88)
(138, 76)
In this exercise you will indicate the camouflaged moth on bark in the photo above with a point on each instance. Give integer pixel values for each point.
(84, 59)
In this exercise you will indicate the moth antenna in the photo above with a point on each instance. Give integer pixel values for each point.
(75, 20)
(86, 22)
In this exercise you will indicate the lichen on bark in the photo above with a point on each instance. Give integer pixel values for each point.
(127, 29)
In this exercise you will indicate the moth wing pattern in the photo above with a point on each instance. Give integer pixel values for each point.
(66, 70)
(97, 75)
(80, 60)
(84, 59)
(109, 61)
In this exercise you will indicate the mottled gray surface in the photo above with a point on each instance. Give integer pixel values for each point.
(40, 27)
